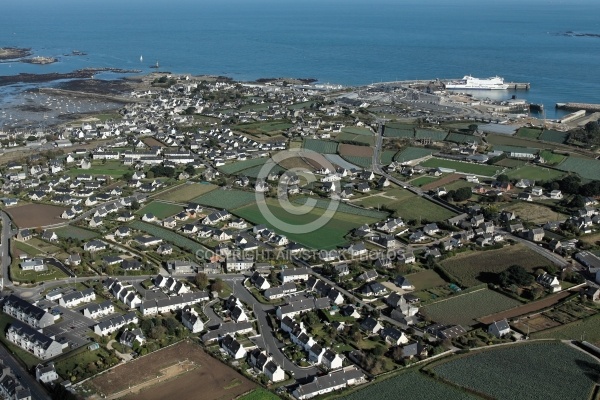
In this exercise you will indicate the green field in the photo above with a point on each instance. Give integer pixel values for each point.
(18, 275)
(227, 199)
(112, 168)
(535, 173)
(24, 247)
(467, 168)
(552, 158)
(433, 134)
(412, 153)
(531, 133)
(423, 180)
(159, 209)
(357, 130)
(464, 309)
(365, 162)
(554, 136)
(321, 146)
(388, 197)
(396, 130)
(586, 329)
(75, 232)
(462, 138)
(518, 371)
(76, 365)
(344, 208)
(185, 193)
(259, 394)
(586, 168)
(411, 385)
(425, 279)
(171, 237)
(387, 156)
(330, 236)
(352, 137)
(255, 171)
(239, 166)
(471, 268)
(510, 163)
(269, 128)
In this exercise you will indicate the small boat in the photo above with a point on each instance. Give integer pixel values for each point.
(154, 66)
(141, 58)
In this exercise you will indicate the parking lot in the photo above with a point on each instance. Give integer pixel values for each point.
(72, 326)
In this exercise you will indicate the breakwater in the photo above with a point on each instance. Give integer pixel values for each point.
(578, 106)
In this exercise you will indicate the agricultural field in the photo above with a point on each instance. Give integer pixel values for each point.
(239, 166)
(472, 268)
(459, 166)
(269, 128)
(506, 140)
(552, 158)
(185, 193)
(396, 130)
(535, 173)
(530, 133)
(554, 136)
(357, 130)
(255, 171)
(464, 309)
(585, 328)
(528, 308)
(412, 207)
(500, 373)
(387, 156)
(443, 181)
(424, 180)
(433, 134)
(346, 150)
(339, 161)
(535, 323)
(330, 236)
(364, 162)
(321, 146)
(151, 141)
(159, 209)
(259, 394)
(386, 198)
(35, 215)
(75, 232)
(412, 385)
(225, 199)
(344, 208)
(535, 213)
(461, 138)
(425, 279)
(116, 169)
(412, 153)
(22, 247)
(202, 374)
(510, 163)
(586, 168)
(171, 237)
(358, 138)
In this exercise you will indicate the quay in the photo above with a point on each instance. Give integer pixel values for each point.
(423, 83)
(578, 106)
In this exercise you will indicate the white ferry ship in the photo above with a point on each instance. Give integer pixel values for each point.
(470, 83)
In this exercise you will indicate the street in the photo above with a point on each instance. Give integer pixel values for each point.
(26, 380)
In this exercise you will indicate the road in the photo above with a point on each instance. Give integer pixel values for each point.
(26, 380)
(5, 237)
(267, 340)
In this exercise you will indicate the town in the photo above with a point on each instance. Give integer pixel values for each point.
(135, 246)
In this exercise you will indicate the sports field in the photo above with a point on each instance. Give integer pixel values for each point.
(329, 236)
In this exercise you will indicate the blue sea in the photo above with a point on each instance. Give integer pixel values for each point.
(348, 42)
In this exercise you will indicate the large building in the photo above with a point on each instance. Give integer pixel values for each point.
(174, 303)
(27, 338)
(328, 383)
(109, 326)
(26, 312)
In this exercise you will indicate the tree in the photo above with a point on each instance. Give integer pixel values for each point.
(190, 169)
(158, 332)
(150, 175)
(515, 275)
(217, 285)
(379, 350)
(462, 194)
(570, 184)
(127, 176)
(503, 178)
(135, 205)
(201, 280)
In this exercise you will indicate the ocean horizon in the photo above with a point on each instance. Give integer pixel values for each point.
(342, 42)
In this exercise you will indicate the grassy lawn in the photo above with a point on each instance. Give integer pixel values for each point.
(28, 359)
(75, 232)
(112, 168)
(510, 163)
(270, 128)
(552, 158)
(357, 130)
(259, 394)
(535, 213)
(186, 193)
(412, 153)
(425, 279)
(535, 173)
(328, 236)
(43, 246)
(17, 274)
(467, 168)
(464, 309)
(418, 208)
(159, 209)
(24, 247)
(77, 363)
(239, 166)
(423, 180)
(531, 133)
(227, 199)
(351, 137)
(472, 268)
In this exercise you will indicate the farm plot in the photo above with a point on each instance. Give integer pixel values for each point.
(445, 180)
(344, 208)
(567, 373)
(531, 133)
(269, 128)
(329, 236)
(351, 150)
(227, 199)
(75, 232)
(399, 130)
(413, 385)
(525, 309)
(357, 130)
(364, 162)
(238, 166)
(171, 237)
(255, 171)
(111, 168)
(534, 173)
(340, 162)
(552, 158)
(495, 139)
(473, 268)
(464, 309)
(510, 163)
(384, 199)
(321, 146)
(205, 375)
(462, 138)
(423, 180)
(185, 193)
(35, 215)
(554, 136)
(432, 134)
(534, 213)
(355, 138)
(387, 156)
(417, 208)
(586, 168)
(533, 324)
(459, 166)
(412, 153)
(425, 279)
(574, 331)
(159, 209)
